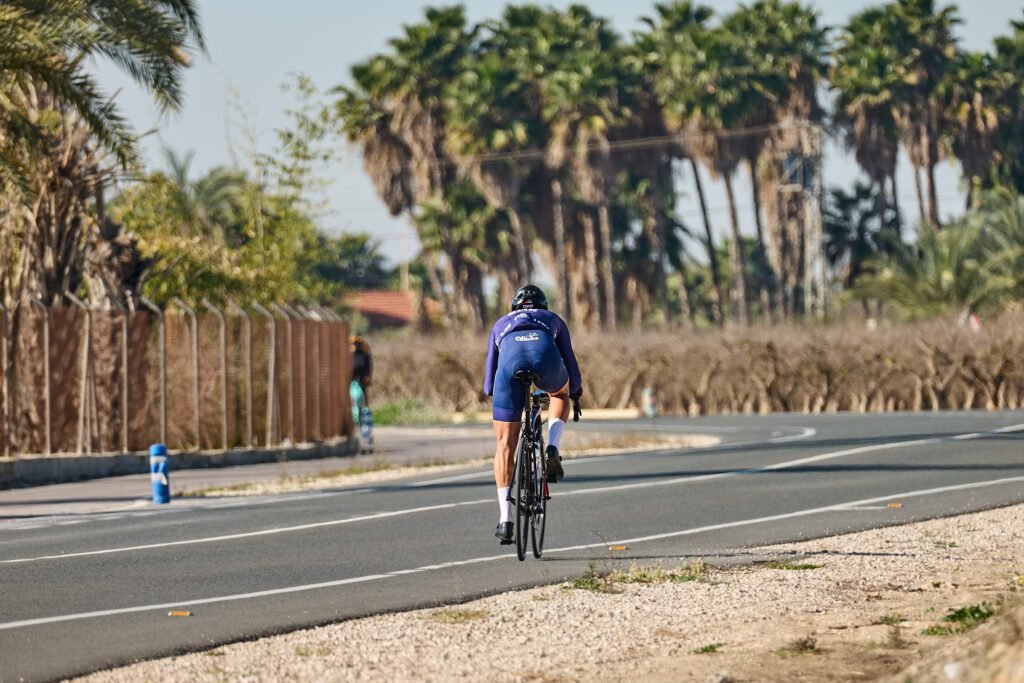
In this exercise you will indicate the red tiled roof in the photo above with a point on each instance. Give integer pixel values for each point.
(386, 308)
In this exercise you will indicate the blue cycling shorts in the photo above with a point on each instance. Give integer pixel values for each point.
(525, 350)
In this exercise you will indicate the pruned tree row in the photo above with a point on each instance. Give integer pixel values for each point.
(933, 366)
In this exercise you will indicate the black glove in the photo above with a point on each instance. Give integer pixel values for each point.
(576, 395)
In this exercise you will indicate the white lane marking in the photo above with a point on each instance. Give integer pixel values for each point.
(251, 534)
(446, 506)
(853, 504)
(968, 437)
(447, 480)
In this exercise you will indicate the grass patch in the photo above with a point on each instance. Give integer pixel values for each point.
(801, 646)
(458, 616)
(593, 581)
(708, 649)
(302, 651)
(790, 566)
(695, 571)
(963, 619)
(409, 411)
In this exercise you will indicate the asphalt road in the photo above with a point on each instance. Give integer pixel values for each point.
(87, 592)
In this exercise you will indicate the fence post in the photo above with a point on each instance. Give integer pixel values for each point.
(270, 371)
(84, 424)
(195, 368)
(46, 368)
(124, 372)
(223, 371)
(317, 375)
(6, 384)
(290, 370)
(248, 370)
(161, 364)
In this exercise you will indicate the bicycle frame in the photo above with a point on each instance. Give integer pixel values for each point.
(530, 476)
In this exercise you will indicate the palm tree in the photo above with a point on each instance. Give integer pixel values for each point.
(973, 95)
(855, 233)
(943, 272)
(396, 111)
(211, 205)
(657, 54)
(868, 86)
(490, 120)
(1008, 60)
(47, 43)
(926, 49)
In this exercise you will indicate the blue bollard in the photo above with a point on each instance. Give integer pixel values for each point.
(159, 473)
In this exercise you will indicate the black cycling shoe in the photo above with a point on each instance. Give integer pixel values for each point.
(555, 471)
(504, 533)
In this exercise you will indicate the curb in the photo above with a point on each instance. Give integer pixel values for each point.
(58, 469)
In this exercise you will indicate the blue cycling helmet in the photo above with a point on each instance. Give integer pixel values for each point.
(529, 296)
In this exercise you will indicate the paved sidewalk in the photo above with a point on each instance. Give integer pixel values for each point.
(396, 446)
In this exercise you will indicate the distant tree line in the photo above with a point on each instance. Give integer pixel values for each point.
(544, 137)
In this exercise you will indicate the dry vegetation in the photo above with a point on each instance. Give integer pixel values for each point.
(926, 366)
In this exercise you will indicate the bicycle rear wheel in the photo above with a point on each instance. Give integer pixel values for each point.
(539, 517)
(522, 488)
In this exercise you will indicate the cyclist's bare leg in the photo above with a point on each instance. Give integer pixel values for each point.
(559, 404)
(507, 435)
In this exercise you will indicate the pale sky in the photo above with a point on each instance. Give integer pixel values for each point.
(255, 44)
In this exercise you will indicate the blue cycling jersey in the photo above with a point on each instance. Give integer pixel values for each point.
(532, 319)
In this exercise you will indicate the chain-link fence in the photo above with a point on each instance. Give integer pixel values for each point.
(80, 380)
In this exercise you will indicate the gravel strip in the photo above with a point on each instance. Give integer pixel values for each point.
(850, 607)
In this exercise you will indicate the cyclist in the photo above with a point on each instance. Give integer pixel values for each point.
(530, 337)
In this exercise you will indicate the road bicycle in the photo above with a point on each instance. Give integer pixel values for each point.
(530, 493)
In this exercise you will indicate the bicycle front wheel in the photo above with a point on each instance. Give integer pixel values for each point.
(522, 488)
(540, 500)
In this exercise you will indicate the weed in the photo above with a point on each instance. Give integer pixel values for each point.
(593, 581)
(895, 638)
(458, 616)
(789, 566)
(302, 651)
(800, 646)
(970, 616)
(963, 619)
(215, 653)
(708, 649)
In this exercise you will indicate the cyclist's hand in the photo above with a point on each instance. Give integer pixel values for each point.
(576, 412)
(577, 394)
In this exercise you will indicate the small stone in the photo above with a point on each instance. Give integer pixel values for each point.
(721, 677)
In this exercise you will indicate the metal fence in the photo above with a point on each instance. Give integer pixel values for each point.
(80, 380)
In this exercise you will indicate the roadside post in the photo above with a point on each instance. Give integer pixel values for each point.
(649, 403)
(159, 474)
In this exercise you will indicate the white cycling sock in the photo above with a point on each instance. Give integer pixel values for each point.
(555, 429)
(504, 504)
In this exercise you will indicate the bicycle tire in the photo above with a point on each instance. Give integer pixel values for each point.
(522, 488)
(538, 521)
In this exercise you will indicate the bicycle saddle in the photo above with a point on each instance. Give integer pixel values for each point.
(525, 376)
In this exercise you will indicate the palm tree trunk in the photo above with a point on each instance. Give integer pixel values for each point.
(933, 200)
(607, 274)
(430, 261)
(590, 269)
(920, 194)
(764, 288)
(709, 243)
(519, 237)
(561, 264)
(897, 216)
(740, 306)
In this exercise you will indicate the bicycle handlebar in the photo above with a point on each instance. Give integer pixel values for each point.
(576, 412)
